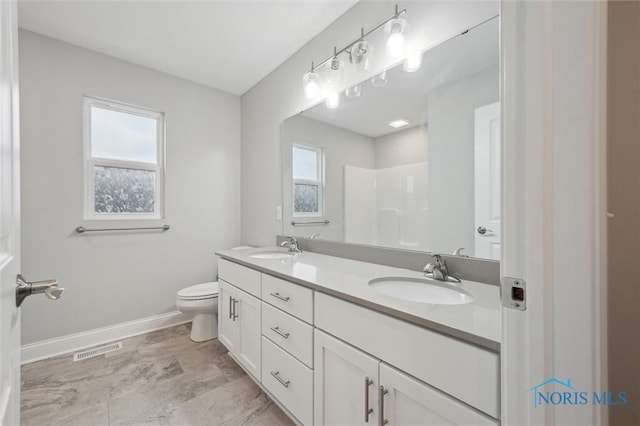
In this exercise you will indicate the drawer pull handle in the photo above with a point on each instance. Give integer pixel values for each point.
(235, 304)
(277, 331)
(230, 307)
(367, 410)
(277, 296)
(381, 395)
(283, 382)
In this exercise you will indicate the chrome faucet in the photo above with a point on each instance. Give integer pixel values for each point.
(291, 243)
(438, 270)
(458, 252)
(315, 236)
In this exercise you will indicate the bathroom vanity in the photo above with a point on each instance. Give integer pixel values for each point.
(331, 348)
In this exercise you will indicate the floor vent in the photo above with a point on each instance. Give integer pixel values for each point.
(90, 353)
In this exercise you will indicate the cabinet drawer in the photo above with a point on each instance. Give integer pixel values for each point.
(244, 278)
(291, 334)
(463, 370)
(288, 380)
(291, 298)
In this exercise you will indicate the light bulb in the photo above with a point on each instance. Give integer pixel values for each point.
(360, 55)
(333, 100)
(413, 62)
(335, 73)
(311, 82)
(395, 42)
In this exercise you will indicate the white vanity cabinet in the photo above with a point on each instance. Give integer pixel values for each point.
(354, 388)
(345, 383)
(332, 362)
(459, 370)
(403, 400)
(287, 345)
(239, 315)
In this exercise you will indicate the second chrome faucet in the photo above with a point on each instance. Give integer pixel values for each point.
(438, 270)
(291, 243)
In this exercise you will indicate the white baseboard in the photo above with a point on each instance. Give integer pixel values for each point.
(62, 345)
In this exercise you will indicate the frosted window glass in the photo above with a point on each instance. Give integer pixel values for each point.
(305, 164)
(121, 136)
(120, 190)
(305, 198)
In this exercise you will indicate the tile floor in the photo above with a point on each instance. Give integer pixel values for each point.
(159, 378)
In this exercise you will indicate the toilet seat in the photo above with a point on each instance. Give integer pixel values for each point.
(199, 291)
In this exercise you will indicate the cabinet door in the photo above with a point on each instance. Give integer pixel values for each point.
(248, 319)
(408, 401)
(227, 327)
(345, 383)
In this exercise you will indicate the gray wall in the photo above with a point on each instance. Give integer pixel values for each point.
(119, 277)
(400, 148)
(623, 152)
(451, 142)
(341, 147)
(280, 95)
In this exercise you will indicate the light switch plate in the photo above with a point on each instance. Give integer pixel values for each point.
(279, 213)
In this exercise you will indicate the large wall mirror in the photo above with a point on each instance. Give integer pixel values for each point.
(408, 160)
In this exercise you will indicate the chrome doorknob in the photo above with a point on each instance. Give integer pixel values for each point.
(26, 288)
(482, 230)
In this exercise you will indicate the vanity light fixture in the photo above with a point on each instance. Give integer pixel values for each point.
(396, 124)
(395, 37)
(335, 76)
(360, 52)
(311, 82)
(413, 62)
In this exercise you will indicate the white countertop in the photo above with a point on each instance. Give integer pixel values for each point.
(477, 322)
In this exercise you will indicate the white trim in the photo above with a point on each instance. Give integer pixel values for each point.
(554, 223)
(319, 181)
(66, 344)
(90, 162)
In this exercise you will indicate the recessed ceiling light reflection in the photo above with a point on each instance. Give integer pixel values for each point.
(399, 123)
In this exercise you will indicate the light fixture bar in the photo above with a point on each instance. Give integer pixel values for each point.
(362, 36)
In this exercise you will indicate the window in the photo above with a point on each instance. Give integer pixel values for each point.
(308, 187)
(124, 149)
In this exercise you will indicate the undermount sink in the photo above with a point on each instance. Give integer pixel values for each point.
(421, 290)
(272, 254)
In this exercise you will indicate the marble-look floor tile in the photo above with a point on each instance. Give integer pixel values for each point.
(269, 414)
(238, 398)
(155, 400)
(159, 378)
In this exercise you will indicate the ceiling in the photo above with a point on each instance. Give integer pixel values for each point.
(406, 95)
(226, 44)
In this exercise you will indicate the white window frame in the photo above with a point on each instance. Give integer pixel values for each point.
(91, 162)
(319, 182)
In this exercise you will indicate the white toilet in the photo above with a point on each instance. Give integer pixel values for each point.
(202, 301)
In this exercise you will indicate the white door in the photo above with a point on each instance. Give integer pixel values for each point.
(345, 383)
(227, 326)
(408, 401)
(9, 218)
(487, 182)
(247, 313)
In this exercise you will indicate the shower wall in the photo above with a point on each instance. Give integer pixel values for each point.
(388, 206)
